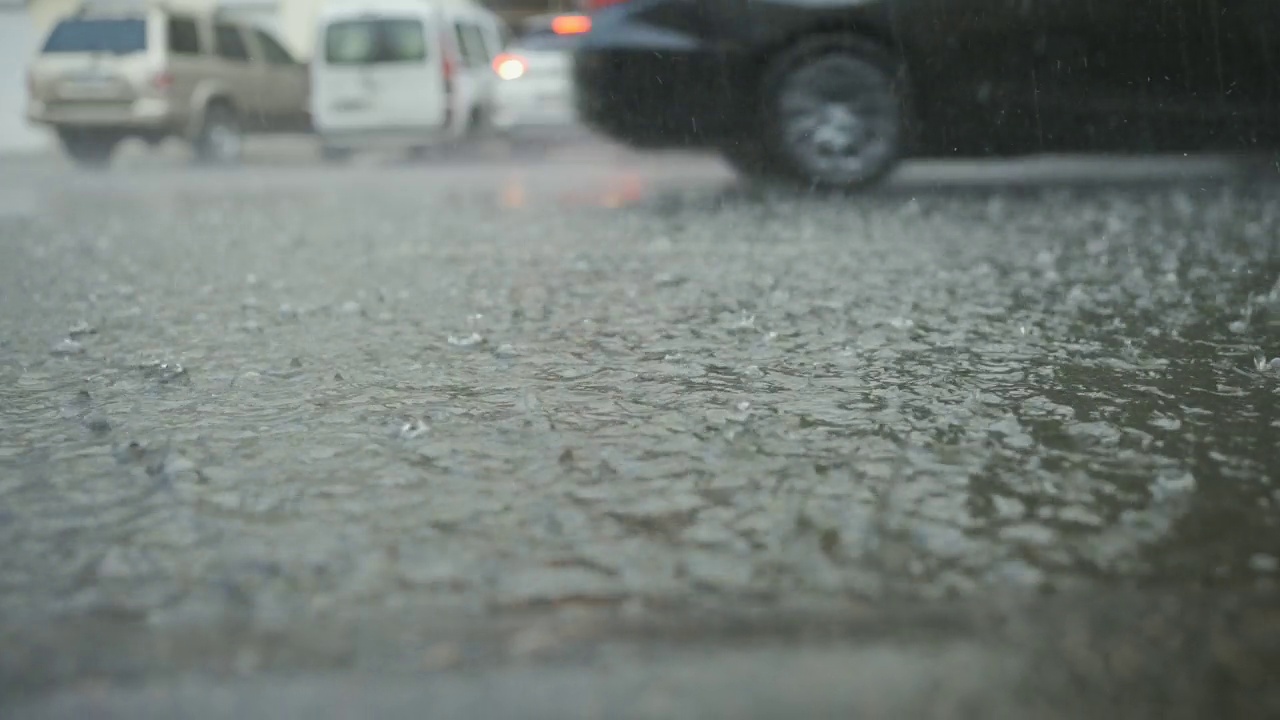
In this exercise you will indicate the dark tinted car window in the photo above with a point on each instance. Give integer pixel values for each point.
(230, 44)
(184, 38)
(367, 42)
(116, 36)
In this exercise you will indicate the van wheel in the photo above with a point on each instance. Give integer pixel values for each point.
(478, 123)
(89, 148)
(220, 140)
(833, 113)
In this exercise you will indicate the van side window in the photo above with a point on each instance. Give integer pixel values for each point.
(184, 38)
(273, 50)
(366, 42)
(230, 44)
(471, 42)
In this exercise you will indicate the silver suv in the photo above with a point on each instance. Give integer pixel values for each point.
(103, 76)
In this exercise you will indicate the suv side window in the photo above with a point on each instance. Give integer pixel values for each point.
(229, 44)
(184, 37)
(471, 42)
(273, 50)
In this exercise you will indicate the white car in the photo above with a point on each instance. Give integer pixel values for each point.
(401, 73)
(534, 93)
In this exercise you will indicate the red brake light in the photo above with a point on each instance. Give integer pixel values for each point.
(571, 24)
(162, 81)
(509, 67)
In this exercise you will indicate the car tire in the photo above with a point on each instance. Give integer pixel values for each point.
(833, 115)
(220, 140)
(89, 148)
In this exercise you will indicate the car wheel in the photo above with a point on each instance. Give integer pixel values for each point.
(88, 148)
(220, 141)
(833, 113)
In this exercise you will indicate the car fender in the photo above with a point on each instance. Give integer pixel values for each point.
(205, 94)
(781, 22)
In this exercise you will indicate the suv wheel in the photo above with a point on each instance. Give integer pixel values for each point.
(220, 140)
(89, 148)
(833, 114)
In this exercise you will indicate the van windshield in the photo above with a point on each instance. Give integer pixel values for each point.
(118, 36)
(370, 41)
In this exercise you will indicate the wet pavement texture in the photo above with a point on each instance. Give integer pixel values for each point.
(1004, 435)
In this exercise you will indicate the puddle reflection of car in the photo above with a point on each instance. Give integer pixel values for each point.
(534, 97)
(834, 93)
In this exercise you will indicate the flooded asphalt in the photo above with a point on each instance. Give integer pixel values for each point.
(606, 436)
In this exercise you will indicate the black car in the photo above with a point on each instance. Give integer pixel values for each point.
(835, 92)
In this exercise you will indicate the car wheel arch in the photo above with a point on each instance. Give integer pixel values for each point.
(204, 98)
(219, 100)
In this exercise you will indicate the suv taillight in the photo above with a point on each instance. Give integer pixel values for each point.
(162, 81)
(590, 5)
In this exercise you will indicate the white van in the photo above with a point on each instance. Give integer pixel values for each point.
(402, 73)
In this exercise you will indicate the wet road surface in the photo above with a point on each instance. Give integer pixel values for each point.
(600, 435)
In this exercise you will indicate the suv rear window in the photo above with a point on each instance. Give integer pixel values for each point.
(117, 36)
(366, 42)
